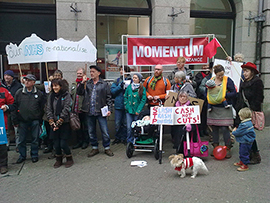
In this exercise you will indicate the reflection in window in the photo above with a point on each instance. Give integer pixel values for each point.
(124, 3)
(210, 5)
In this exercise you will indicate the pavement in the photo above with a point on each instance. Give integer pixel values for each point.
(112, 179)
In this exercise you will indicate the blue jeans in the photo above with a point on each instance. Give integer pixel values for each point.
(23, 131)
(130, 119)
(120, 124)
(244, 150)
(91, 123)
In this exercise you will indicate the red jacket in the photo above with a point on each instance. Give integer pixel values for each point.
(5, 98)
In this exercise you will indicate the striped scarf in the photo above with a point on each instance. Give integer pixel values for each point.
(154, 82)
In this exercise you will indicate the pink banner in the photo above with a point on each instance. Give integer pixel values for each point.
(165, 51)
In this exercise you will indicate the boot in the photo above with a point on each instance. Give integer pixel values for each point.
(255, 157)
(214, 146)
(228, 155)
(69, 162)
(58, 163)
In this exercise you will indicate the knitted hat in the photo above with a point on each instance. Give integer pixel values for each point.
(139, 76)
(250, 66)
(210, 83)
(9, 72)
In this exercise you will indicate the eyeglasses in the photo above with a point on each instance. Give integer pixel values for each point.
(158, 69)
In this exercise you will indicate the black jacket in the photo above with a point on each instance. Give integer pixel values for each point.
(28, 106)
(103, 95)
(15, 85)
(253, 90)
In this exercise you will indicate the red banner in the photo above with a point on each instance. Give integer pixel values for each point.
(165, 51)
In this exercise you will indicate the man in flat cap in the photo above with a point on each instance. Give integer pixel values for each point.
(29, 105)
(97, 95)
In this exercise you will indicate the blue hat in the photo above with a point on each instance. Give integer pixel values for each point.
(30, 77)
(9, 72)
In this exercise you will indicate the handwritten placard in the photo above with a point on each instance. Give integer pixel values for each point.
(175, 115)
(3, 134)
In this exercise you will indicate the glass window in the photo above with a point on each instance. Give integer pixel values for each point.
(124, 3)
(211, 5)
(222, 28)
(30, 1)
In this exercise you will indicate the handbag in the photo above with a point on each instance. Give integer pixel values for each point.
(75, 123)
(199, 148)
(257, 119)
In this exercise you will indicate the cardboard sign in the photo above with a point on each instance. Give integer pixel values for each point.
(170, 102)
(3, 134)
(175, 115)
(196, 101)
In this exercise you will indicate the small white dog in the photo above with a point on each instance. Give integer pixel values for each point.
(190, 165)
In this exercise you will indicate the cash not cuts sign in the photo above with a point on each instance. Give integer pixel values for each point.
(33, 50)
(153, 51)
(175, 115)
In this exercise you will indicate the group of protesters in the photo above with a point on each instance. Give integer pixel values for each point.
(26, 107)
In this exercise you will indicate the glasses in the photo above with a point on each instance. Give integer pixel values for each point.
(158, 69)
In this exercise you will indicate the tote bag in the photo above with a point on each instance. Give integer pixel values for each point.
(199, 148)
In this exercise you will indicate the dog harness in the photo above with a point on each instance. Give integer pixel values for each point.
(188, 163)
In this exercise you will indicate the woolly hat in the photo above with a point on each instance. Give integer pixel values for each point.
(139, 76)
(210, 83)
(9, 72)
(250, 66)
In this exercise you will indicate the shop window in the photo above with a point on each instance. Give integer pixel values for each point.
(124, 3)
(30, 1)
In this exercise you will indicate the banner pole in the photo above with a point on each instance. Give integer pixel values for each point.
(47, 74)
(20, 71)
(85, 68)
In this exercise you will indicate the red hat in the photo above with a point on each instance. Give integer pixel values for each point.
(250, 66)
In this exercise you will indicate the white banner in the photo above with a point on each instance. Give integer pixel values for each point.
(175, 115)
(34, 50)
(232, 69)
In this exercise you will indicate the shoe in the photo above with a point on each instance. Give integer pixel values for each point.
(243, 168)
(34, 159)
(58, 163)
(240, 163)
(214, 146)
(228, 106)
(228, 154)
(109, 152)
(52, 156)
(3, 170)
(124, 142)
(69, 162)
(116, 141)
(77, 146)
(84, 145)
(20, 160)
(47, 150)
(93, 152)
(209, 110)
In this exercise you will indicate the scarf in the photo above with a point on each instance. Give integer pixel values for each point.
(80, 80)
(60, 97)
(135, 86)
(188, 163)
(204, 75)
(154, 82)
(180, 85)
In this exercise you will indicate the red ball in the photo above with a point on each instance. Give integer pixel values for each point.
(220, 152)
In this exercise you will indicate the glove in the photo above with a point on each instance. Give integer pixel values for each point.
(59, 122)
(122, 84)
(51, 123)
(188, 127)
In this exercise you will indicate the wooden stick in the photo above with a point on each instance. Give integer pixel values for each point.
(46, 65)
(85, 74)
(20, 70)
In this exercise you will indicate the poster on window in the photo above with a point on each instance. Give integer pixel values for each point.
(113, 60)
(175, 115)
(3, 134)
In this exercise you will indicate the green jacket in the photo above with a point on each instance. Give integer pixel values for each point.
(133, 103)
(73, 92)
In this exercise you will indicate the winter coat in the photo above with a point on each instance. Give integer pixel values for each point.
(245, 132)
(13, 88)
(133, 102)
(118, 92)
(28, 106)
(73, 91)
(66, 103)
(6, 99)
(187, 72)
(103, 95)
(187, 87)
